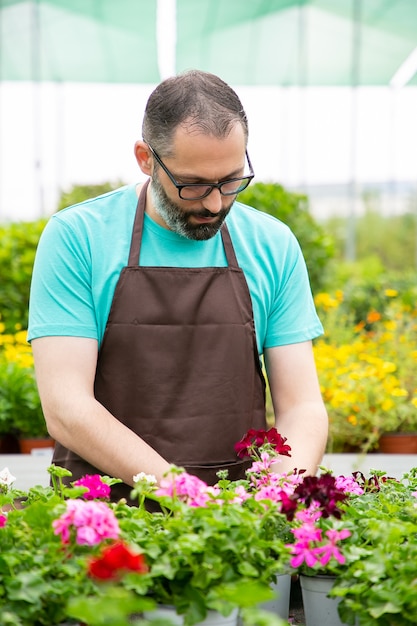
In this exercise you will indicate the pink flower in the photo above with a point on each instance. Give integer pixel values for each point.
(349, 485)
(92, 522)
(262, 466)
(187, 488)
(95, 485)
(307, 533)
(270, 492)
(303, 552)
(240, 495)
(330, 549)
(3, 520)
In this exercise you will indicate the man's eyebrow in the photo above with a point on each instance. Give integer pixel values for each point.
(198, 179)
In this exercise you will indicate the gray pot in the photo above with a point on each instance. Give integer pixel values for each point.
(319, 609)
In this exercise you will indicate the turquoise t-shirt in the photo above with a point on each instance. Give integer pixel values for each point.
(84, 248)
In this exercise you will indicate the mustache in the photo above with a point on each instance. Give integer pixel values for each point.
(207, 213)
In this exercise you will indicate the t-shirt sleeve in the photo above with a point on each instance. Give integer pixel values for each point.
(61, 300)
(292, 317)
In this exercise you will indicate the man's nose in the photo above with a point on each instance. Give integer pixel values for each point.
(213, 202)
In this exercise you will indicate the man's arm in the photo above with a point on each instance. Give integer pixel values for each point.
(300, 414)
(65, 371)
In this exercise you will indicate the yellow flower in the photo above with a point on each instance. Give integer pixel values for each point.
(326, 301)
(391, 293)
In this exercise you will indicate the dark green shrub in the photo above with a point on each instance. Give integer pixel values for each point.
(79, 193)
(293, 210)
(18, 243)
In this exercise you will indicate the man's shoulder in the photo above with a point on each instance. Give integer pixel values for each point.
(125, 195)
(246, 219)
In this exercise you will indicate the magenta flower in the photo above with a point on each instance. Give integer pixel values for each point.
(330, 549)
(90, 522)
(95, 485)
(3, 520)
(303, 552)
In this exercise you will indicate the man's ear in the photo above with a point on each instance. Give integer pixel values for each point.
(144, 157)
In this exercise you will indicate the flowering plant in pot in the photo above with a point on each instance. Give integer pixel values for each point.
(364, 535)
(20, 407)
(48, 538)
(378, 582)
(367, 366)
(211, 548)
(68, 553)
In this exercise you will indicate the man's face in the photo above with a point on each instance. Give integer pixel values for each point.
(202, 159)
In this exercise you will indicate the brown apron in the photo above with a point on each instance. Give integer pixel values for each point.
(179, 363)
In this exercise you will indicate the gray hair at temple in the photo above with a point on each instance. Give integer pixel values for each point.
(198, 100)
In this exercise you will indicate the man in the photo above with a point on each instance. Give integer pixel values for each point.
(151, 307)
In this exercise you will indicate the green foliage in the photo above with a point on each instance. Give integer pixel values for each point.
(392, 240)
(79, 193)
(18, 243)
(378, 582)
(365, 285)
(20, 406)
(293, 209)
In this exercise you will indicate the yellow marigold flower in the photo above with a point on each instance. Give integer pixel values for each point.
(352, 419)
(387, 404)
(326, 301)
(388, 367)
(399, 393)
(20, 337)
(414, 402)
(391, 293)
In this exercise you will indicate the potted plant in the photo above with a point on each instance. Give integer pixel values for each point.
(377, 584)
(367, 371)
(209, 549)
(21, 413)
(356, 547)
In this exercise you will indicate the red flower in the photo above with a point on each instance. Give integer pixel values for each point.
(254, 439)
(114, 560)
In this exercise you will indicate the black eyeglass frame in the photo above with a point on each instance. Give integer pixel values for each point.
(210, 186)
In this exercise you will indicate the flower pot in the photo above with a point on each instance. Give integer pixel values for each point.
(398, 443)
(28, 444)
(9, 444)
(319, 609)
(213, 617)
(280, 604)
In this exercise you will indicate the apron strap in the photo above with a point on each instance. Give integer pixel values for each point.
(138, 227)
(134, 253)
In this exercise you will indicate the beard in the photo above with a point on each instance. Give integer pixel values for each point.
(178, 220)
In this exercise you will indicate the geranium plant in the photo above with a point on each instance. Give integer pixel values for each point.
(363, 532)
(67, 551)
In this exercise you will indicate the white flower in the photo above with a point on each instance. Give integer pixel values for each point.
(6, 478)
(150, 479)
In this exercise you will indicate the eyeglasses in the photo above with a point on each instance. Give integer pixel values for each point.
(196, 191)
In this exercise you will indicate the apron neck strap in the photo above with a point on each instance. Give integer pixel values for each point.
(134, 253)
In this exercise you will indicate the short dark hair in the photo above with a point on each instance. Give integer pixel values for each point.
(195, 98)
